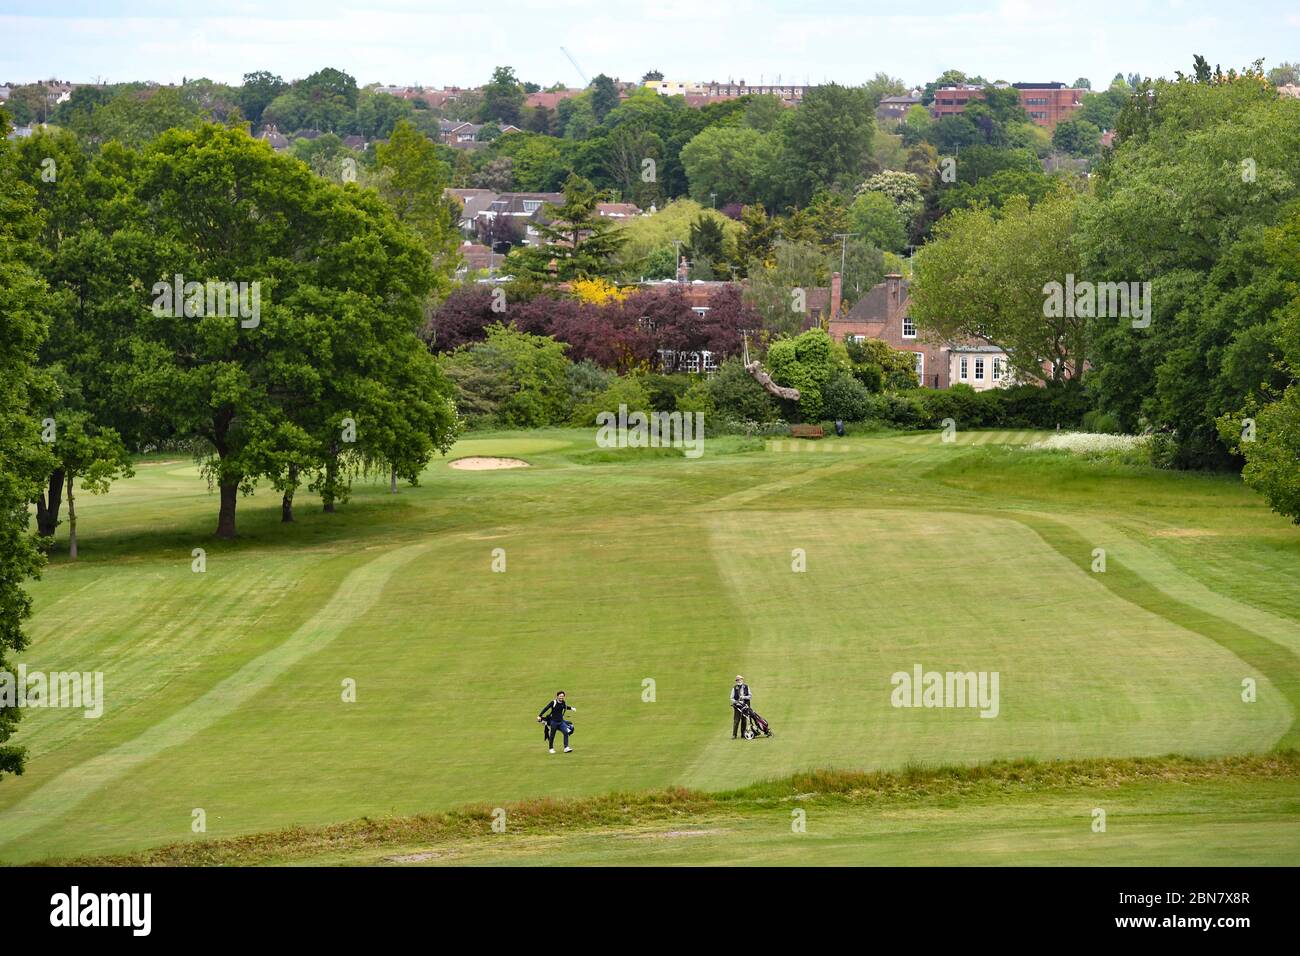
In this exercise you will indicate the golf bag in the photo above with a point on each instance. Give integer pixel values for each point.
(758, 727)
(549, 730)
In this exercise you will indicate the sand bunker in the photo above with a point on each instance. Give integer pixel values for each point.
(487, 464)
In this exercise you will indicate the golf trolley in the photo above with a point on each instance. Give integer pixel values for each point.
(758, 727)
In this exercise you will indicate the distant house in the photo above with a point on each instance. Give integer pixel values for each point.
(274, 138)
(440, 98)
(882, 314)
(549, 100)
(477, 258)
(457, 133)
(20, 132)
(308, 134)
(502, 217)
(1289, 91)
(472, 202)
(5, 93)
(896, 107)
(354, 142)
(523, 209)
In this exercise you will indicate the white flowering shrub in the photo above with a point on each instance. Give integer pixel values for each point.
(1094, 444)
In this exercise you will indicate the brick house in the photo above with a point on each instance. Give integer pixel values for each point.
(882, 314)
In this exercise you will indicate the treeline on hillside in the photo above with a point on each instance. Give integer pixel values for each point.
(1200, 198)
(820, 164)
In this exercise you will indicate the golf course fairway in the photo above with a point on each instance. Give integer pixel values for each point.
(390, 659)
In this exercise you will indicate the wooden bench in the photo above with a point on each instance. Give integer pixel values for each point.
(806, 431)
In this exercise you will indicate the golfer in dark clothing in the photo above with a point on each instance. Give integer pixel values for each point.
(739, 701)
(553, 715)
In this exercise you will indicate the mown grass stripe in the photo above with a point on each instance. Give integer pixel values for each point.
(356, 594)
(1272, 660)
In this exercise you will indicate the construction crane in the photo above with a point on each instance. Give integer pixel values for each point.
(585, 81)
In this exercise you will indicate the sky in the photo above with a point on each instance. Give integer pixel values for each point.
(404, 42)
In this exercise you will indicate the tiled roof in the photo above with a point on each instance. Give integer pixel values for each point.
(550, 100)
(617, 210)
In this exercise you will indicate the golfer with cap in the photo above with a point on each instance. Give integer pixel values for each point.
(739, 701)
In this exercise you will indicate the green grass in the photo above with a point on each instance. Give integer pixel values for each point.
(1225, 811)
(224, 688)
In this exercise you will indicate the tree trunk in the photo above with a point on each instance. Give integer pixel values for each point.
(327, 493)
(48, 504)
(72, 521)
(226, 519)
(286, 503)
(392, 482)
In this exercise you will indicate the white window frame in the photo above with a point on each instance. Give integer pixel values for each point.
(907, 321)
(997, 368)
(979, 368)
(920, 367)
(965, 368)
(532, 205)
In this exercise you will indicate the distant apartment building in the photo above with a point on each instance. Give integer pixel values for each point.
(700, 94)
(674, 87)
(786, 92)
(952, 100)
(1046, 103)
(1049, 103)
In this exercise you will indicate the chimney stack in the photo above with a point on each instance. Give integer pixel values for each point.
(837, 291)
(683, 270)
(894, 282)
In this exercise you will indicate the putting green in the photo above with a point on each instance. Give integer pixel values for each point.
(641, 586)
